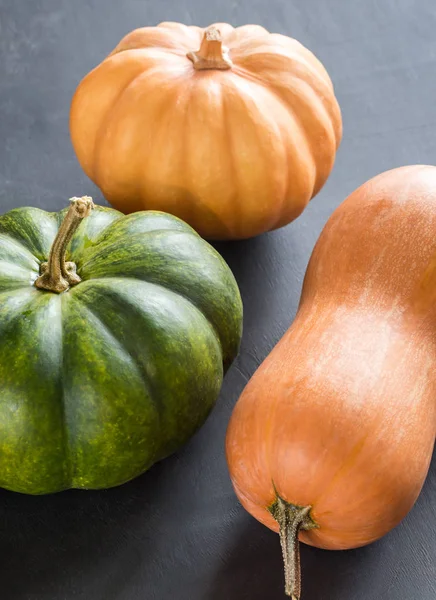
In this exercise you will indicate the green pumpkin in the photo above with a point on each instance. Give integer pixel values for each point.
(100, 381)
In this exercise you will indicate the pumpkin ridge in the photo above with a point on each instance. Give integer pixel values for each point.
(327, 122)
(14, 282)
(166, 107)
(184, 129)
(116, 299)
(29, 214)
(304, 54)
(30, 290)
(104, 119)
(249, 73)
(226, 345)
(106, 246)
(12, 239)
(244, 34)
(311, 141)
(9, 236)
(106, 326)
(296, 120)
(231, 153)
(181, 35)
(285, 194)
(114, 422)
(251, 76)
(105, 250)
(104, 235)
(66, 430)
(242, 95)
(27, 310)
(171, 51)
(167, 288)
(287, 54)
(100, 244)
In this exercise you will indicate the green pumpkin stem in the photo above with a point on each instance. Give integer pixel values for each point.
(291, 519)
(212, 55)
(57, 275)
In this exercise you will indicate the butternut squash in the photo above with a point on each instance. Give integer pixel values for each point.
(332, 438)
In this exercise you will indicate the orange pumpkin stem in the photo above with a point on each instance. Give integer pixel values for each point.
(57, 275)
(212, 53)
(291, 519)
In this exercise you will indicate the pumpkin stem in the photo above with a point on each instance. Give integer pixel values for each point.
(291, 520)
(57, 275)
(212, 53)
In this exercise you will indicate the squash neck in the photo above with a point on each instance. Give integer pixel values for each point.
(291, 519)
(212, 55)
(57, 275)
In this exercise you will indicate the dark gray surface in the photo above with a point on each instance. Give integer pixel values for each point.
(178, 531)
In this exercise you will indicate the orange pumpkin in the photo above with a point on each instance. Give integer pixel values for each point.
(233, 130)
(333, 435)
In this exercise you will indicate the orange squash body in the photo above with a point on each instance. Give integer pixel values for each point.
(341, 415)
(233, 152)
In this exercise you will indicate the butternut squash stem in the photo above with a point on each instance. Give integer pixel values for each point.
(291, 519)
(57, 275)
(212, 54)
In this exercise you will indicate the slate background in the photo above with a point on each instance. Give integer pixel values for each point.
(178, 531)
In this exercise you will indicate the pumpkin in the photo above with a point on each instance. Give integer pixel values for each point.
(232, 130)
(114, 335)
(332, 437)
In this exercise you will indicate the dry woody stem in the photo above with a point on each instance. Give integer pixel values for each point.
(57, 275)
(291, 519)
(212, 54)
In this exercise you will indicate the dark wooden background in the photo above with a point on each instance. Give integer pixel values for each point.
(178, 532)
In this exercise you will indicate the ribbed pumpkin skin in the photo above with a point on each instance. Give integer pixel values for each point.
(341, 416)
(100, 382)
(234, 153)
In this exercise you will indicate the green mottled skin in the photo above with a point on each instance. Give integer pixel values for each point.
(103, 380)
